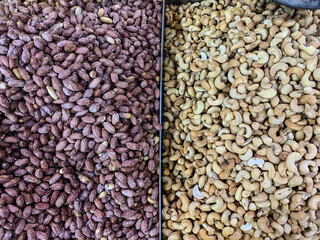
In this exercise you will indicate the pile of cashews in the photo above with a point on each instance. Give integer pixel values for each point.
(242, 124)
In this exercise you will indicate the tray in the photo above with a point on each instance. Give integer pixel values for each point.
(301, 4)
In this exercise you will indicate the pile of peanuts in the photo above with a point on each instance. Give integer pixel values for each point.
(242, 126)
(79, 119)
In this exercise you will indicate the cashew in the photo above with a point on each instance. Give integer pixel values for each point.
(243, 174)
(279, 229)
(295, 181)
(185, 202)
(247, 185)
(168, 182)
(246, 227)
(282, 193)
(312, 151)
(200, 107)
(298, 199)
(270, 168)
(256, 161)
(304, 166)
(314, 202)
(316, 74)
(191, 152)
(263, 224)
(309, 49)
(196, 193)
(193, 208)
(291, 161)
(276, 52)
(305, 80)
(174, 236)
(263, 58)
(267, 93)
(280, 66)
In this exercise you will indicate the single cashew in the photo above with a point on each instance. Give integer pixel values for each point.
(291, 161)
(282, 193)
(314, 202)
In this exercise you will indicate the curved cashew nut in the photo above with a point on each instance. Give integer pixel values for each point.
(279, 230)
(316, 74)
(272, 132)
(191, 152)
(245, 23)
(169, 116)
(276, 52)
(312, 63)
(186, 22)
(227, 231)
(243, 69)
(314, 202)
(219, 205)
(175, 156)
(312, 151)
(247, 185)
(174, 236)
(282, 193)
(237, 149)
(298, 199)
(280, 66)
(291, 160)
(268, 166)
(295, 181)
(259, 75)
(242, 174)
(214, 70)
(283, 34)
(194, 208)
(275, 41)
(185, 202)
(295, 107)
(261, 197)
(288, 49)
(264, 224)
(212, 217)
(183, 76)
(271, 156)
(263, 32)
(227, 162)
(167, 182)
(165, 214)
(295, 70)
(290, 60)
(305, 80)
(267, 93)
(304, 166)
(237, 45)
(263, 58)
(279, 180)
(248, 154)
(203, 234)
(182, 64)
(187, 226)
(313, 229)
(194, 67)
(236, 95)
(267, 182)
(200, 107)
(248, 129)
(309, 49)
